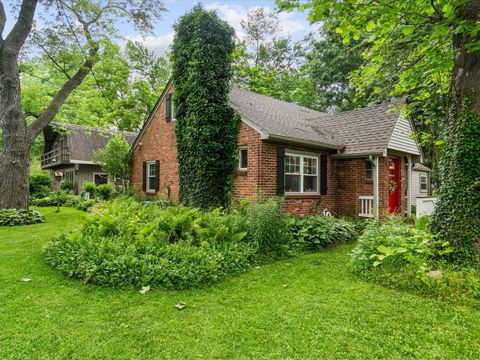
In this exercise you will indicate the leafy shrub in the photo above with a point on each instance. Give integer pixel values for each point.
(12, 217)
(90, 187)
(411, 258)
(394, 244)
(84, 204)
(129, 243)
(68, 185)
(104, 191)
(51, 199)
(40, 185)
(314, 232)
(266, 226)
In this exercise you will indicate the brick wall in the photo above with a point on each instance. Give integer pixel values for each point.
(157, 143)
(350, 184)
(245, 182)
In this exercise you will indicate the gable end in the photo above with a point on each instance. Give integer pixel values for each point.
(402, 137)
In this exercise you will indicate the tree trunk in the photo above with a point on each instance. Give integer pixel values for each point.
(17, 142)
(466, 72)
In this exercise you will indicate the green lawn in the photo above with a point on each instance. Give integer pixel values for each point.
(309, 307)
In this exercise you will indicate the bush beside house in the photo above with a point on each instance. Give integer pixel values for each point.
(410, 257)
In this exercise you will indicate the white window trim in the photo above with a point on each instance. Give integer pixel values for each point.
(240, 158)
(148, 189)
(304, 155)
(99, 173)
(420, 183)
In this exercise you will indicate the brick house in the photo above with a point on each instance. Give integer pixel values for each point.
(352, 163)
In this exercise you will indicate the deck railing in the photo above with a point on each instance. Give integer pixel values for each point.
(366, 206)
(54, 157)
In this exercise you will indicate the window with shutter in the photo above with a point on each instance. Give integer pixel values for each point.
(151, 177)
(301, 173)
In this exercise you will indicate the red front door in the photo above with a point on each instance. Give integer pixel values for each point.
(394, 185)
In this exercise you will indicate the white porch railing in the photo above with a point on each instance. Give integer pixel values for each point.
(366, 206)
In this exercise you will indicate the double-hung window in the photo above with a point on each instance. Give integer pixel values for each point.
(423, 183)
(151, 176)
(301, 173)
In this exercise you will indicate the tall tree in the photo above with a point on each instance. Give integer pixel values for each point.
(259, 26)
(206, 126)
(68, 24)
(434, 48)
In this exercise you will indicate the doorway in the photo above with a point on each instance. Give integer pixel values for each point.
(394, 185)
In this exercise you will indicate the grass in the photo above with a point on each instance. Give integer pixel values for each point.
(309, 307)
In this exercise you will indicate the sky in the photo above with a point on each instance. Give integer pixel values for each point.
(292, 24)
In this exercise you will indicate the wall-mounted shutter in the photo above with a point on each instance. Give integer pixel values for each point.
(168, 107)
(144, 179)
(323, 174)
(157, 175)
(280, 171)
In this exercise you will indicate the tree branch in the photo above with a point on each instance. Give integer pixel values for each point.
(3, 19)
(23, 25)
(51, 111)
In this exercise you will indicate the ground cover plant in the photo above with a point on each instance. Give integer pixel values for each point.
(314, 232)
(305, 307)
(127, 242)
(130, 243)
(410, 257)
(13, 217)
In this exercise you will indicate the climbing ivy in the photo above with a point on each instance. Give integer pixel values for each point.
(207, 126)
(457, 213)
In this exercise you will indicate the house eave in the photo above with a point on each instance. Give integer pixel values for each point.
(296, 141)
(358, 155)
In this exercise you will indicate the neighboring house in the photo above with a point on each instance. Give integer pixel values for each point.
(69, 148)
(421, 185)
(352, 163)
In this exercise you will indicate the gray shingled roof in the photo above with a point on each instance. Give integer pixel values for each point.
(281, 119)
(83, 141)
(366, 130)
(421, 167)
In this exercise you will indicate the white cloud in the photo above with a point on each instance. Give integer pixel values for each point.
(159, 44)
(234, 14)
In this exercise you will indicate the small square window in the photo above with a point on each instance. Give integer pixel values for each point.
(243, 158)
(368, 170)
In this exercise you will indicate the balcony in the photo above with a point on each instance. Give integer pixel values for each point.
(55, 157)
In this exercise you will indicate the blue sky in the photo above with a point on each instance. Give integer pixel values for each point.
(292, 24)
